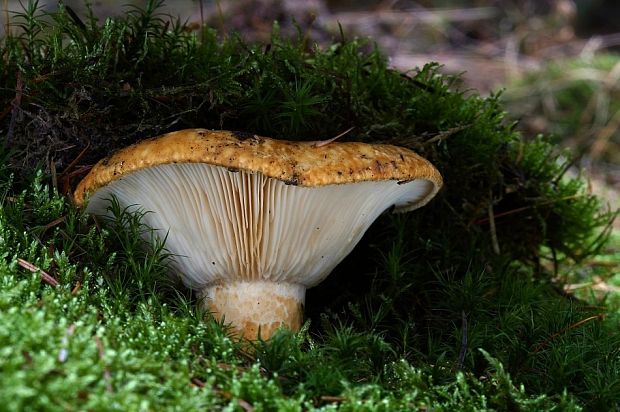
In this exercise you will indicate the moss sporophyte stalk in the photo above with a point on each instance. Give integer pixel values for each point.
(460, 305)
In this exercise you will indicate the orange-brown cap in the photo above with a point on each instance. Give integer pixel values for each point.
(305, 164)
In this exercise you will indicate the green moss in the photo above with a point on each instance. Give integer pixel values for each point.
(398, 325)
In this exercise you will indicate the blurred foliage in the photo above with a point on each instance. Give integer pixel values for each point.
(577, 101)
(405, 314)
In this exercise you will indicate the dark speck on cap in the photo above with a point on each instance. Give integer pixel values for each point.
(242, 135)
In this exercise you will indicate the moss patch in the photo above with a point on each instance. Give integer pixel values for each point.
(456, 304)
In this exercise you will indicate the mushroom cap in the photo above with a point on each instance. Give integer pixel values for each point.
(304, 164)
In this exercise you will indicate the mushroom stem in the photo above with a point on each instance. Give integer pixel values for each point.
(254, 307)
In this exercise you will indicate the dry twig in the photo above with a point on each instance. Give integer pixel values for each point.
(76, 288)
(575, 325)
(45, 277)
(328, 141)
(329, 398)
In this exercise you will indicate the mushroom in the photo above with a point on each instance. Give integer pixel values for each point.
(253, 222)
